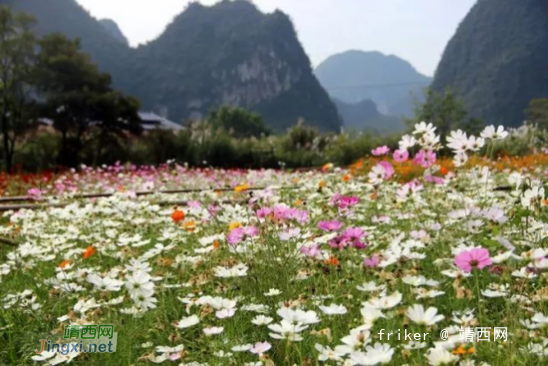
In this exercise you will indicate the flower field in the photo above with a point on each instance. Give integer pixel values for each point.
(285, 268)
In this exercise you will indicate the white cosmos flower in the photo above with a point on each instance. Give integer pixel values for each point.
(333, 309)
(262, 320)
(287, 330)
(439, 356)
(187, 322)
(489, 132)
(379, 354)
(213, 331)
(139, 283)
(423, 127)
(407, 142)
(386, 302)
(298, 316)
(429, 317)
(273, 292)
(104, 284)
(327, 354)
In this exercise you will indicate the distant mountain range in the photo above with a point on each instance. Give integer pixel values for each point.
(364, 116)
(226, 54)
(112, 28)
(389, 81)
(498, 59)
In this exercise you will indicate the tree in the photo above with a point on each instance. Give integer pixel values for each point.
(17, 52)
(239, 122)
(79, 98)
(446, 112)
(537, 112)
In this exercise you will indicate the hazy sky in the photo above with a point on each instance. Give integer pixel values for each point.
(416, 30)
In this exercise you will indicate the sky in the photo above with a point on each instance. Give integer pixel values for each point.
(415, 30)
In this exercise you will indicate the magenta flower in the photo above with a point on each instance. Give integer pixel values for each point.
(263, 212)
(476, 258)
(401, 155)
(345, 202)
(333, 225)
(382, 150)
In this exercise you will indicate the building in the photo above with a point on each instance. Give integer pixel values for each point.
(152, 121)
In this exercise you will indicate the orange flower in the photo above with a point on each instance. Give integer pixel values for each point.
(89, 252)
(444, 171)
(298, 202)
(178, 215)
(459, 351)
(241, 187)
(322, 183)
(64, 263)
(327, 167)
(346, 178)
(216, 244)
(121, 189)
(189, 225)
(332, 261)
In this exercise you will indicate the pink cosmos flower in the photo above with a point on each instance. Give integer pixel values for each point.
(388, 169)
(372, 262)
(476, 258)
(260, 348)
(345, 202)
(333, 225)
(263, 212)
(401, 155)
(239, 234)
(350, 237)
(34, 193)
(433, 179)
(382, 150)
(425, 158)
(311, 250)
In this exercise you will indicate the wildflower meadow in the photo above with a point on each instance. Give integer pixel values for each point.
(276, 267)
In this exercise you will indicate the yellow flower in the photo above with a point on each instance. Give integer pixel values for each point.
(234, 225)
(241, 187)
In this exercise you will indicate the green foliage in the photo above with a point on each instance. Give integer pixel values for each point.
(238, 122)
(80, 100)
(495, 59)
(537, 113)
(16, 56)
(447, 112)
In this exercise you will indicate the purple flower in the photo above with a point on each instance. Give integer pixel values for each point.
(333, 225)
